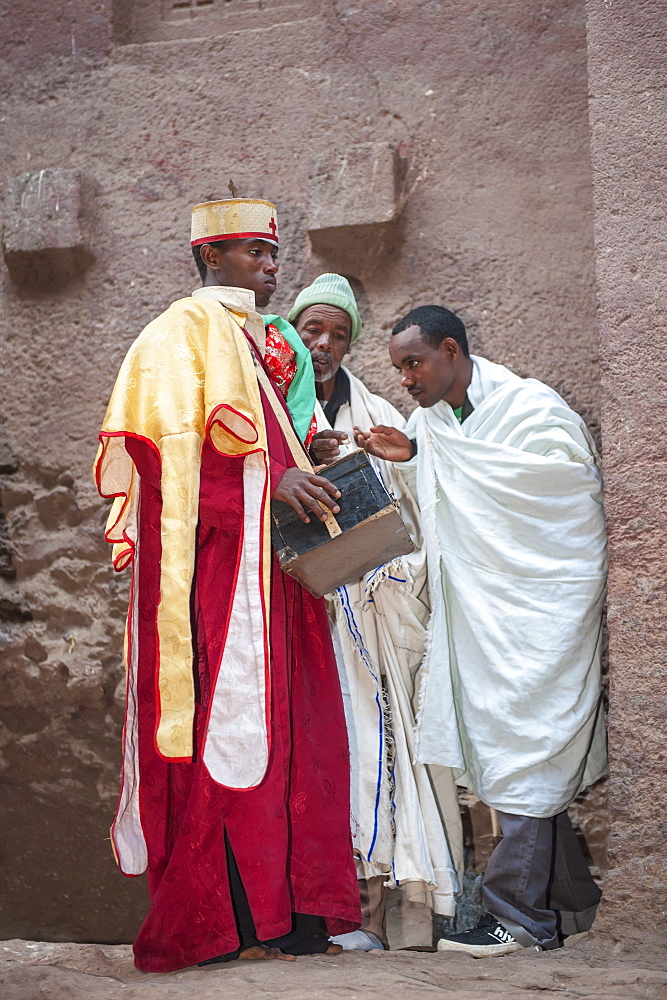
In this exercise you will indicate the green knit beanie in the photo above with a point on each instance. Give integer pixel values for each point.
(329, 290)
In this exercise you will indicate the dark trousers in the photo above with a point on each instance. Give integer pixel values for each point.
(537, 882)
(307, 937)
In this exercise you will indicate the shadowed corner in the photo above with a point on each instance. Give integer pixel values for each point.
(43, 273)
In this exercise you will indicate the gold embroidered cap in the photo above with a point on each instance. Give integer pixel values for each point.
(234, 219)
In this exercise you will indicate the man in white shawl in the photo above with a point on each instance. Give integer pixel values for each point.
(511, 506)
(405, 819)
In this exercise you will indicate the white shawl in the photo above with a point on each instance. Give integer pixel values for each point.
(511, 504)
(399, 809)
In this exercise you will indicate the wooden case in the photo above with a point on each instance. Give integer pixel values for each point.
(371, 530)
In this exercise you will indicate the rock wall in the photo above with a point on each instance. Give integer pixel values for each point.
(627, 57)
(433, 152)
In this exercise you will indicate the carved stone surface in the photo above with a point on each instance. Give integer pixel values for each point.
(582, 970)
(627, 57)
(358, 186)
(485, 102)
(34, 34)
(166, 20)
(42, 212)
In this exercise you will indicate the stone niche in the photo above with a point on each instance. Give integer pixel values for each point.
(43, 236)
(167, 20)
(355, 201)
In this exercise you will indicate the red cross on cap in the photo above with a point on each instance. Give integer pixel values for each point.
(273, 227)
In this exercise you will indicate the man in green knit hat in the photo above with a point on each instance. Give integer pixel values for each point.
(327, 319)
(406, 824)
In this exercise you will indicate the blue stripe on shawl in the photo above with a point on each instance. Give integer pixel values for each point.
(365, 656)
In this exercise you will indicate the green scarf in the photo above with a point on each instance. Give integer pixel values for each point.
(301, 393)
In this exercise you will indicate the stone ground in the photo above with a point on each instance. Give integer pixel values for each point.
(39, 971)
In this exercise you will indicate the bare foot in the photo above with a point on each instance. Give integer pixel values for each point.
(262, 952)
(334, 949)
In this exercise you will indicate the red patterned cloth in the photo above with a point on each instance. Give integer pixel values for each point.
(279, 358)
(290, 835)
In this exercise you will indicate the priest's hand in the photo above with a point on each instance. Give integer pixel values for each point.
(325, 446)
(385, 442)
(302, 491)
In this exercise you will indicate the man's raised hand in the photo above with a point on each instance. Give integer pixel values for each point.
(385, 442)
(302, 491)
(325, 446)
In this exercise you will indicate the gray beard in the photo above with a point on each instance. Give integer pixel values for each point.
(327, 378)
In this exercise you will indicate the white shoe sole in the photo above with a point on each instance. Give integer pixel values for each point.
(480, 950)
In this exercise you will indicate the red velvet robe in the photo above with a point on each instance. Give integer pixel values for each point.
(291, 834)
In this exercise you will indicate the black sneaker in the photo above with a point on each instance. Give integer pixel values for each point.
(488, 938)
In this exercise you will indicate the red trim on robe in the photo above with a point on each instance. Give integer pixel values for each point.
(291, 834)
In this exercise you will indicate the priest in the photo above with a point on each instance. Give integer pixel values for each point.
(235, 783)
(511, 504)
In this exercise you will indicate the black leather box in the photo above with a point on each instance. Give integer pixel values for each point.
(371, 530)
